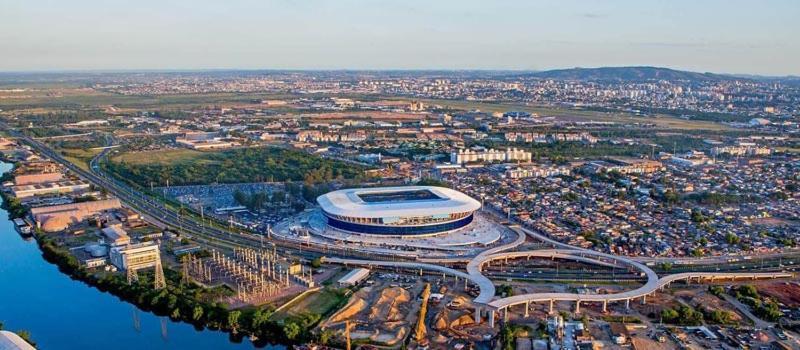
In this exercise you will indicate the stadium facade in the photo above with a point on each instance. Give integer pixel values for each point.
(398, 211)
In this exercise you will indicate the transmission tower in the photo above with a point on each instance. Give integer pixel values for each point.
(159, 280)
(185, 269)
(132, 276)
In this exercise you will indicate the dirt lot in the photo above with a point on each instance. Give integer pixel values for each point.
(785, 292)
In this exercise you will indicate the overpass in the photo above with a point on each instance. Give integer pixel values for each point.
(218, 237)
(486, 298)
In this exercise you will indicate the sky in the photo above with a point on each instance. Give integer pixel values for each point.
(731, 36)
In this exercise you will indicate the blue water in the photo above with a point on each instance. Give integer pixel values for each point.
(61, 313)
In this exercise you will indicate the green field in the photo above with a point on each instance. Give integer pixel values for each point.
(169, 156)
(321, 302)
(238, 165)
(659, 120)
(72, 98)
(79, 157)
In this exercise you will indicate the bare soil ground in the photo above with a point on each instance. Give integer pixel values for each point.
(785, 292)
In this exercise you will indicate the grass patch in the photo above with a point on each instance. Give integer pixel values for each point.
(621, 318)
(661, 120)
(164, 157)
(257, 164)
(79, 157)
(320, 302)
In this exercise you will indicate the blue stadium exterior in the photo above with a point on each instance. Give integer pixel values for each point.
(399, 230)
(398, 211)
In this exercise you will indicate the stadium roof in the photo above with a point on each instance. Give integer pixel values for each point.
(12, 341)
(443, 201)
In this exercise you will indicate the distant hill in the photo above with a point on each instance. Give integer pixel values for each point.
(629, 74)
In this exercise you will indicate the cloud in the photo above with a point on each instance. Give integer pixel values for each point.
(593, 15)
(720, 45)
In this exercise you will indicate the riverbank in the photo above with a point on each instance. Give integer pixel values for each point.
(181, 301)
(187, 302)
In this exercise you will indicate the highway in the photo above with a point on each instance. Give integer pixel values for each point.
(225, 239)
(160, 215)
(486, 298)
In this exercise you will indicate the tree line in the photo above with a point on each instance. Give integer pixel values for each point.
(237, 166)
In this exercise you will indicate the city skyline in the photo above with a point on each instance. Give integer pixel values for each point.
(714, 36)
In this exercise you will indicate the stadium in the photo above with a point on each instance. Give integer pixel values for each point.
(398, 211)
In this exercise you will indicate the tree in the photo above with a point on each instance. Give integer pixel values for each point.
(291, 330)
(26, 336)
(176, 314)
(669, 315)
(233, 319)
(732, 238)
(316, 263)
(689, 316)
(260, 317)
(716, 290)
(670, 197)
(504, 290)
(720, 316)
(197, 313)
(748, 290)
(697, 215)
(769, 310)
(326, 336)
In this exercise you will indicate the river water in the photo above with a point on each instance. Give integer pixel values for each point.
(61, 313)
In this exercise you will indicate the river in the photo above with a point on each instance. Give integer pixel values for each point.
(61, 313)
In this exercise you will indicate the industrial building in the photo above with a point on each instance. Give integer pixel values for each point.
(135, 256)
(353, 277)
(37, 189)
(116, 236)
(56, 218)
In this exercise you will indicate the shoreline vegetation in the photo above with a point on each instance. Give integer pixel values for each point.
(183, 301)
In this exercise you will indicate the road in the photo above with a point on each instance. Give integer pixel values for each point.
(225, 239)
(486, 297)
(159, 214)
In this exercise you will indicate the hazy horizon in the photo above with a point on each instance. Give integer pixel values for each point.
(726, 37)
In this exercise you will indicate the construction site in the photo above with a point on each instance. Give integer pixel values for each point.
(392, 307)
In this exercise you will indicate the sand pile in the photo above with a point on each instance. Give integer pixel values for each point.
(463, 320)
(386, 308)
(441, 321)
(352, 308)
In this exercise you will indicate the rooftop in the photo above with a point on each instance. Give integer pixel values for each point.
(401, 201)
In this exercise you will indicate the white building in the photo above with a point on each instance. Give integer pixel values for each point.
(491, 155)
(136, 256)
(521, 173)
(743, 149)
(691, 159)
(68, 186)
(353, 277)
